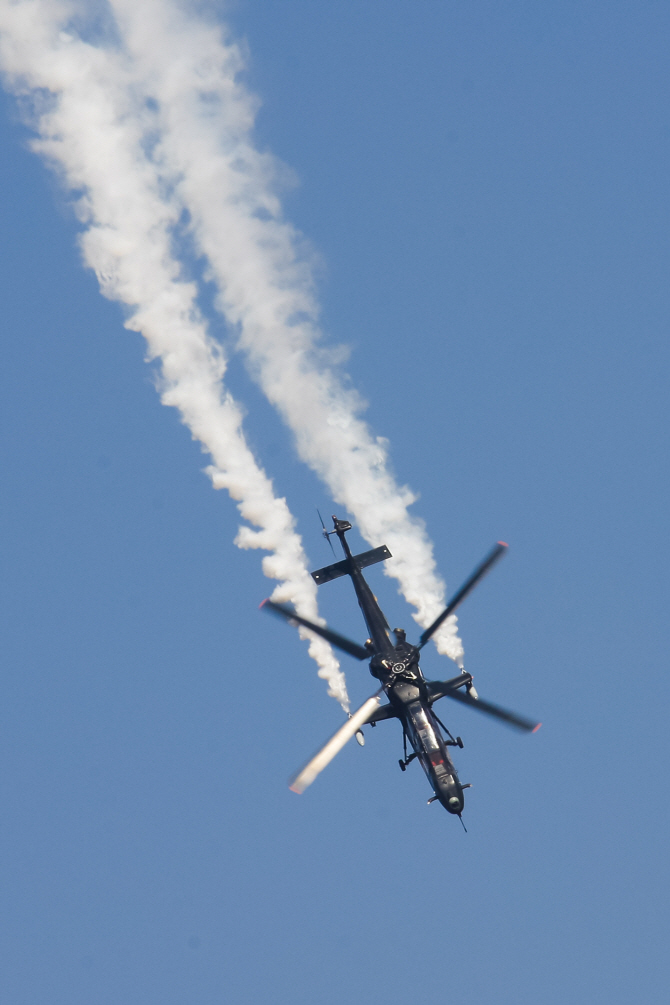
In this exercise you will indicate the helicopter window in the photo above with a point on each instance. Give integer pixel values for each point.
(423, 727)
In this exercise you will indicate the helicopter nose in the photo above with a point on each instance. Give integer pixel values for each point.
(454, 805)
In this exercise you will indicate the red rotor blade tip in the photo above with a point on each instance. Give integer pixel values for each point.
(537, 727)
(504, 544)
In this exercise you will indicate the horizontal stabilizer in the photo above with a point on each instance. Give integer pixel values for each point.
(338, 569)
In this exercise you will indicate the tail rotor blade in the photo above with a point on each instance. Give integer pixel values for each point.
(325, 532)
(304, 778)
(511, 718)
(493, 556)
(335, 639)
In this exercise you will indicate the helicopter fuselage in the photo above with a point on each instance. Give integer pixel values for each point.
(423, 732)
(397, 669)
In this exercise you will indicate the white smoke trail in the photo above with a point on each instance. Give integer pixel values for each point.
(92, 128)
(204, 122)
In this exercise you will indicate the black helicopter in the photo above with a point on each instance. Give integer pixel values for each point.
(410, 696)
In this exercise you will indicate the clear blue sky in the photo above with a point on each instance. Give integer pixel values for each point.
(487, 185)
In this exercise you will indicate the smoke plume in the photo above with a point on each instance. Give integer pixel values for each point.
(204, 123)
(92, 126)
(150, 123)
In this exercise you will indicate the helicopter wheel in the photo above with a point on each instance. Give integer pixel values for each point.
(459, 742)
(403, 767)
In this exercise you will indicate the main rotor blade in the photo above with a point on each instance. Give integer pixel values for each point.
(306, 775)
(459, 597)
(511, 718)
(335, 639)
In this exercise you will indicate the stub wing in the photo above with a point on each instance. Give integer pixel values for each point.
(383, 712)
(439, 688)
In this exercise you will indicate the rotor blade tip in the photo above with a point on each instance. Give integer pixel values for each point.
(504, 544)
(298, 792)
(536, 728)
(262, 603)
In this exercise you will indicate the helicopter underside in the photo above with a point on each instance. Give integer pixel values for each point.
(425, 737)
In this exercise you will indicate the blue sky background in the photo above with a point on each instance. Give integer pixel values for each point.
(487, 186)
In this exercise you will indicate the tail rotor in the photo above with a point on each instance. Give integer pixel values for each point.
(326, 533)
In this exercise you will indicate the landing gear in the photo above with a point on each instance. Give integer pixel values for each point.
(407, 760)
(451, 742)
